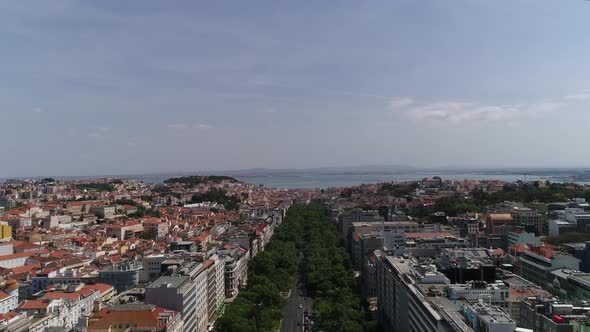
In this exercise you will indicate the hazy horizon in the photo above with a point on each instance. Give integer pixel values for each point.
(383, 169)
(143, 87)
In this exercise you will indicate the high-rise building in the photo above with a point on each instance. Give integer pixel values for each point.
(411, 298)
(497, 294)
(198, 276)
(537, 262)
(346, 219)
(175, 293)
(215, 287)
(485, 317)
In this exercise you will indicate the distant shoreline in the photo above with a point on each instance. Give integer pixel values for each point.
(342, 177)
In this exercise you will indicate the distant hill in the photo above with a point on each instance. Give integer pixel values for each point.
(194, 180)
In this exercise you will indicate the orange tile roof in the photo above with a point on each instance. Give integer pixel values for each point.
(141, 319)
(544, 251)
(33, 305)
(11, 285)
(519, 248)
(9, 315)
(207, 263)
(21, 269)
(61, 296)
(24, 245)
(22, 254)
(102, 288)
(3, 295)
(85, 291)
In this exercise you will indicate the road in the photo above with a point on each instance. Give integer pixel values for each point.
(293, 314)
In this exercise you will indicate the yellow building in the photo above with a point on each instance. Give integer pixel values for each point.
(5, 232)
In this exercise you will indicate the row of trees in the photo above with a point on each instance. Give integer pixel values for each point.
(260, 307)
(329, 277)
(552, 192)
(568, 238)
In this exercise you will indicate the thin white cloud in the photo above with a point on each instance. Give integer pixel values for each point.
(584, 95)
(183, 126)
(400, 102)
(39, 110)
(457, 112)
(202, 126)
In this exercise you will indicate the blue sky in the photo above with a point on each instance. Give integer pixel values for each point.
(111, 87)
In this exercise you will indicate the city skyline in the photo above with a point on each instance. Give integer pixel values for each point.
(142, 87)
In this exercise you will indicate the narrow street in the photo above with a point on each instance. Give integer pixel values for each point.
(294, 316)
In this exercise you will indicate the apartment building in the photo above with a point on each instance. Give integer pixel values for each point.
(124, 231)
(103, 211)
(152, 267)
(215, 287)
(198, 276)
(136, 317)
(346, 219)
(497, 294)
(236, 269)
(55, 277)
(550, 315)
(122, 276)
(393, 232)
(176, 293)
(484, 317)
(78, 299)
(155, 229)
(537, 262)
(499, 223)
(410, 298)
(528, 218)
(9, 296)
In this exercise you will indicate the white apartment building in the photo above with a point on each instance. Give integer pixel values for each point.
(152, 267)
(484, 317)
(57, 277)
(69, 309)
(9, 296)
(175, 293)
(215, 287)
(198, 275)
(497, 294)
(403, 289)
